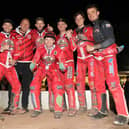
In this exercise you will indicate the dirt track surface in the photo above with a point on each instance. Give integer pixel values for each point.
(46, 121)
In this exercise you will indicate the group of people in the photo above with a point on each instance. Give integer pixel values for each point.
(39, 53)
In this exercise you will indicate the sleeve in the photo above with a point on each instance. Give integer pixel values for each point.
(57, 37)
(61, 59)
(60, 55)
(91, 38)
(46, 30)
(35, 60)
(33, 39)
(1, 48)
(108, 33)
(37, 56)
(15, 54)
(73, 41)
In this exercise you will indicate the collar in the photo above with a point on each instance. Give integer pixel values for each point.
(80, 30)
(7, 35)
(40, 31)
(61, 36)
(50, 49)
(18, 31)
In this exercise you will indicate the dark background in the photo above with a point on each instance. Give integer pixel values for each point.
(117, 12)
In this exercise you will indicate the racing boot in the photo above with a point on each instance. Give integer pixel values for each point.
(103, 111)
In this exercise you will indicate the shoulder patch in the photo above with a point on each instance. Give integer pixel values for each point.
(13, 37)
(85, 30)
(108, 25)
(55, 52)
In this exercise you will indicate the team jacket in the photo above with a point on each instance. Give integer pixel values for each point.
(48, 58)
(6, 55)
(38, 37)
(64, 44)
(24, 45)
(81, 38)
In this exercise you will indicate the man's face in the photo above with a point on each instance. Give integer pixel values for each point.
(39, 25)
(79, 20)
(93, 14)
(49, 42)
(25, 25)
(61, 26)
(7, 27)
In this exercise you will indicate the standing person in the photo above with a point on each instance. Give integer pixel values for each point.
(39, 33)
(7, 29)
(38, 38)
(7, 51)
(67, 77)
(48, 55)
(81, 37)
(24, 51)
(104, 50)
(126, 91)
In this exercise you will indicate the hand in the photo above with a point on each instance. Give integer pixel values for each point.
(32, 66)
(69, 33)
(90, 48)
(62, 67)
(49, 28)
(12, 62)
(5, 47)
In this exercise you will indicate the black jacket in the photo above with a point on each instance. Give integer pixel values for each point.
(103, 33)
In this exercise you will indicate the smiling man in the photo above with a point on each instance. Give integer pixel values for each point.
(105, 50)
(24, 53)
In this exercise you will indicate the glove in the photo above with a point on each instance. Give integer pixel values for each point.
(32, 66)
(62, 67)
(120, 48)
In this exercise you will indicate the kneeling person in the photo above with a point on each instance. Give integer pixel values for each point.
(48, 56)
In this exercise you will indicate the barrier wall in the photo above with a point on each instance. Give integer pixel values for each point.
(44, 98)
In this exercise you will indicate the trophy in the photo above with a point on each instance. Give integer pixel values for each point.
(8, 42)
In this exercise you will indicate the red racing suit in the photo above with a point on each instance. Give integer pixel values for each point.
(107, 69)
(38, 37)
(68, 76)
(6, 69)
(48, 68)
(85, 60)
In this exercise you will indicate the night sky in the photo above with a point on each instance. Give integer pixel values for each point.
(117, 12)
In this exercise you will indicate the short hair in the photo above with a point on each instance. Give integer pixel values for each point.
(62, 20)
(25, 19)
(39, 19)
(8, 21)
(92, 6)
(79, 13)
